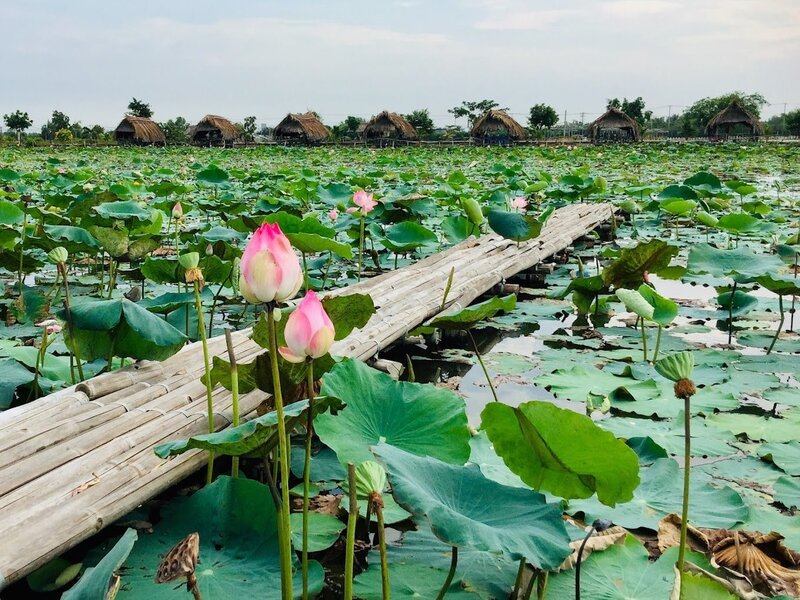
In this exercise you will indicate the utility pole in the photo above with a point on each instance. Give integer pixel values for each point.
(669, 117)
(784, 117)
(565, 123)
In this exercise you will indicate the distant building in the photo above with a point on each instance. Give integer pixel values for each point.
(614, 125)
(733, 115)
(138, 131)
(213, 130)
(497, 127)
(389, 126)
(300, 128)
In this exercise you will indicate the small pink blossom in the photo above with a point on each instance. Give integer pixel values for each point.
(519, 203)
(333, 214)
(309, 331)
(177, 211)
(364, 203)
(51, 325)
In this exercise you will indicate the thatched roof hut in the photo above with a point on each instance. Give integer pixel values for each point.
(496, 126)
(614, 125)
(733, 114)
(389, 125)
(138, 130)
(301, 128)
(213, 130)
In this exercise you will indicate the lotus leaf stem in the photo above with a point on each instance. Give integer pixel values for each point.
(644, 340)
(450, 574)
(283, 509)
(234, 394)
(307, 473)
(658, 343)
(62, 269)
(207, 378)
(730, 312)
(361, 247)
(780, 324)
(378, 504)
(578, 562)
(483, 366)
(518, 580)
(352, 520)
(687, 465)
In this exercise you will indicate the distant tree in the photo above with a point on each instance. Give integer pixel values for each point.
(57, 122)
(542, 116)
(695, 118)
(139, 108)
(792, 121)
(421, 121)
(249, 129)
(176, 131)
(454, 132)
(635, 109)
(347, 129)
(94, 133)
(64, 135)
(473, 110)
(18, 121)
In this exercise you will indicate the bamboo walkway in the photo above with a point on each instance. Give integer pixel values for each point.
(77, 460)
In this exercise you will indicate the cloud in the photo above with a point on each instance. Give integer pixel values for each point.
(638, 8)
(524, 20)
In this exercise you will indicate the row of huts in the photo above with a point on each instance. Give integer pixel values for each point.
(496, 126)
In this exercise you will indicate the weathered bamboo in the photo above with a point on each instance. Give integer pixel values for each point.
(74, 461)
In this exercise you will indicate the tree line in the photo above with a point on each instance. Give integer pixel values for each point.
(541, 120)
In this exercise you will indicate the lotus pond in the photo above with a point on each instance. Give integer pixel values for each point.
(519, 426)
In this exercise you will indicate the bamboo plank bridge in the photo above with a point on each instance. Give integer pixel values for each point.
(77, 460)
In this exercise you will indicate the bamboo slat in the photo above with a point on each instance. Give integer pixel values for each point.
(76, 460)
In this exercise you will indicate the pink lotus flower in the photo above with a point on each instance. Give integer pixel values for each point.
(270, 269)
(333, 214)
(51, 325)
(177, 211)
(363, 203)
(519, 203)
(309, 331)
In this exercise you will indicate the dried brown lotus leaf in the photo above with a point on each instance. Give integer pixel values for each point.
(597, 543)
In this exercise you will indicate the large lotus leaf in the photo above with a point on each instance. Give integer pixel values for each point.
(239, 556)
(661, 493)
(704, 258)
(489, 574)
(704, 181)
(678, 192)
(419, 418)
(55, 368)
(457, 228)
(134, 331)
(741, 304)
(767, 428)
(781, 285)
(627, 271)
(664, 309)
(678, 207)
(212, 175)
(114, 241)
(582, 381)
(323, 530)
(14, 375)
(533, 442)
(237, 441)
(407, 581)
(97, 582)
(786, 456)
(765, 518)
(334, 193)
(739, 223)
(466, 318)
(621, 572)
(406, 236)
(763, 339)
(124, 209)
(348, 312)
(706, 440)
(464, 508)
(636, 303)
(515, 226)
(77, 237)
(310, 243)
(787, 491)
(289, 223)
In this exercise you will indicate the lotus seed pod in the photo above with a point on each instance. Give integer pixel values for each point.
(684, 389)
(473, 210)
(676, 366)
(58, 255)
(194, 275)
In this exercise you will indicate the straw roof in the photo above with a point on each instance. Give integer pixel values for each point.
(301, 127)
(140, 130)
(389, 125)
(734, 114)
(614, 118)
(496, 122)
(214, 126)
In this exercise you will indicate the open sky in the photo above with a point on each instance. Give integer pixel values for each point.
(266, 58)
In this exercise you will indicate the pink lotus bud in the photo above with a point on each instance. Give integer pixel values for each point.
(333, 214)
(363, 201)
(309, 331)
(519, 203)
(270, 269)
(51, 325)
(177, 211)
